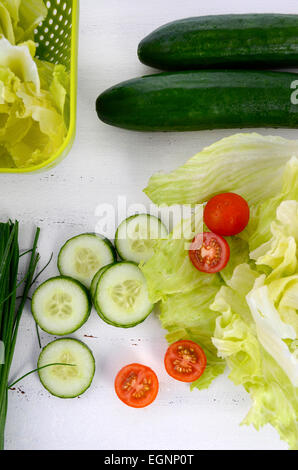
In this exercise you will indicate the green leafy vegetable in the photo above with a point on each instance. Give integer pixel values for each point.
(259, 229)
(6, 27)
(239, 253)
(18, 61)
(33, 124)
(34, 95)
(188, 316)
(242, 339)
(185, 293)
(31, 13)
(10, 309)
(55, 79)
(248, 164)
(233, 336)
(21, 18)
(247, 315)
(170, 270)
(37, 370)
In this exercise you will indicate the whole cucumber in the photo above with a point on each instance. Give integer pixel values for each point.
(239, 41)
(210, 99)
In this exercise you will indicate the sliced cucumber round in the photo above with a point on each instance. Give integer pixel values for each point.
(96, 279)
(82, 256)
(121, 296)
(135, 236)
(66, 381)
(61, 305)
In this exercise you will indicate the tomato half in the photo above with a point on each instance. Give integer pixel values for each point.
(136, 385)
(226, 214)
(209, 252)
(185, 361)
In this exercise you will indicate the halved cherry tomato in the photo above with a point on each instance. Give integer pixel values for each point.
(185, 361)
(226, 214)
(136, 385)
(209, 252)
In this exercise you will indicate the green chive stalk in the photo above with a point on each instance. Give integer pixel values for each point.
(11, 305)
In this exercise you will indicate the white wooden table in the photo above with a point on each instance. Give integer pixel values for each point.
(107, 162)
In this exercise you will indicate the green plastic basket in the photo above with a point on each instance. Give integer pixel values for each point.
(57, 42)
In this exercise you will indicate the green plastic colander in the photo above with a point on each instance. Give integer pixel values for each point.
(57, 42)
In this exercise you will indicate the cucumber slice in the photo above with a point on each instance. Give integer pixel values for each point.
(134, 239)
(121, 297)
(61, 305)
(82, 256)
(66, 381)
(96, 279)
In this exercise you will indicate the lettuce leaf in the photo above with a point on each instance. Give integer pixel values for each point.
(188, 316)
(25, 16)
(170, 270)
(31, 13)
(239, 254)
(248, 164)
(248, 314)
(33, 118)
(275, 335)
(184, 293)
(6, 26)
(19, 61)
(280, 253)
(236, 337)
(256, 330)
(34, 95)
(259, 229)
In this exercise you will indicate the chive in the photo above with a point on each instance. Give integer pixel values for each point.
(11, 305)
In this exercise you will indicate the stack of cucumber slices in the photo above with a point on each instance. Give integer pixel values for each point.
(90, 273)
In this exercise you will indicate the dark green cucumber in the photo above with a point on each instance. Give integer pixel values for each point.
(213, 99)
(250, 41)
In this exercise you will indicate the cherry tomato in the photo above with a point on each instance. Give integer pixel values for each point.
(136, 385)
(226, 214)
(185, 361)
(209, 252)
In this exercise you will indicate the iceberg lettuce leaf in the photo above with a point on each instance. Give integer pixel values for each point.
(25, 16)
(247, 315)
(236, 337)
(19, 61)
(170, 270)
(188, 316)
(31, 13)
(265, 213)
(239, 254)
(184, 293)
(6, 25)
(33, 126)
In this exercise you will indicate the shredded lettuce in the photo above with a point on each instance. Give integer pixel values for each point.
(34, 95)
(33, 125)
(184, 293)
(275, 335)
(247, 315)
(20, 18)
(170, 270)
(256, 330)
